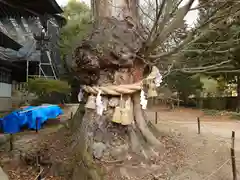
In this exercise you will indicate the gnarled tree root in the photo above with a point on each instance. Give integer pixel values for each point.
(141, 122)
(85, 168)
(141, 140)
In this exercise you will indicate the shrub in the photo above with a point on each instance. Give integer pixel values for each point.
(48, 90)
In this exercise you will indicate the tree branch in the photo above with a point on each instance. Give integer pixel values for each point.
(200, 51)
(175, 50)
(200, 6)
(156, 20)
(205, 68)
(207, 48)
(218, 42)
(174, 24)
(224, 71)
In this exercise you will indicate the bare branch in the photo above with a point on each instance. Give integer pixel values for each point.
(200, 51)
(190, 37)
(169, 70)
(157, 7)
(175, 50)
(218, 42)
(205, 68)
(144, 13)
(156, 20)
(176, 23)
(201, 6)
(224, 71)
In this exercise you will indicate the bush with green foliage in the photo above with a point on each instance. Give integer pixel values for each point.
(48, 90)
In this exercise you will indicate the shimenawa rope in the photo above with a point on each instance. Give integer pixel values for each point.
(117, 90)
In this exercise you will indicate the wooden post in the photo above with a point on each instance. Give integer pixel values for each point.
(40, 173)
(156, 117)
(199, 128)
(11, 142)
(37, 125)
(39, 176)
(234, 168)
(38, 159)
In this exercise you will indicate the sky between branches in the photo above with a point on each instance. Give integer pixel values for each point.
(190, 17)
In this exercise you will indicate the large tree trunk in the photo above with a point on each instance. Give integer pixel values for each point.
(108, 56)
(120, 9)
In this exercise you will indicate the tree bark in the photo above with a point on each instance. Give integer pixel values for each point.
(141, 122)
(119, 9)
(95, 137)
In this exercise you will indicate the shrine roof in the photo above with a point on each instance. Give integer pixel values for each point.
(30, 8)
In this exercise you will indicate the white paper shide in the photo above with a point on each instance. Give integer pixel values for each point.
(99, 104)
(80, 95)
(143, 100)
(158, 79)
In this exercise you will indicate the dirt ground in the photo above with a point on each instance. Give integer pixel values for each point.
(26, 141)
(206, 155)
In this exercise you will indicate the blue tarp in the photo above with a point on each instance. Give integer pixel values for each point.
(29, 116)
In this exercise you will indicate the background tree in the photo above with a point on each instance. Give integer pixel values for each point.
(223, 45)
(184, 84)
(78, 17)
(79, 23)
